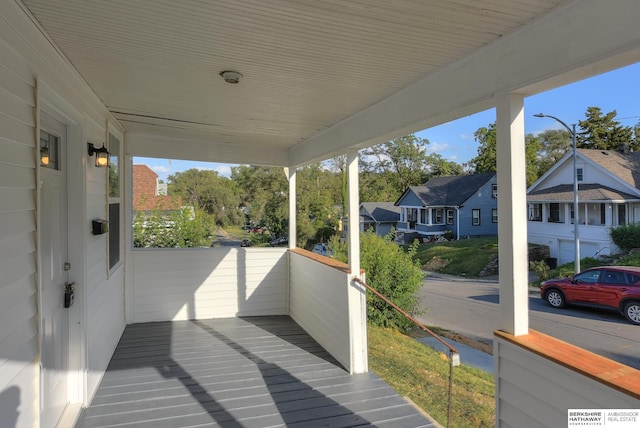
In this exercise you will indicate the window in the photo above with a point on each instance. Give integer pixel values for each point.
(494, 215)
(554, 213)
(423, 216)
(49, 150)
(579, 174)
(475, 217)
(437, 216)
(449, 216)
(494, 190)
(590, 277)
(622, 215)
(535, 212)
(114, 201)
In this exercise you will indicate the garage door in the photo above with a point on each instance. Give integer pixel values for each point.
(567, 251)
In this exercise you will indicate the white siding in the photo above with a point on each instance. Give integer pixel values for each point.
(26, 56)
(534, 392)
(18, 296)
(208, 283)
(319, 304)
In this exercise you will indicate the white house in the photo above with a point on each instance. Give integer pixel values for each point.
(608, 195)
(279, 83)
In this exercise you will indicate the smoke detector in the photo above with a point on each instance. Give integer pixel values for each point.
(232, 77)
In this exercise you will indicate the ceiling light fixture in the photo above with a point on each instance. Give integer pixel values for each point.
(232, 77)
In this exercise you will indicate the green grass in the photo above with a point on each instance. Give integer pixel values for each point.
(466, 257)
(419, 372)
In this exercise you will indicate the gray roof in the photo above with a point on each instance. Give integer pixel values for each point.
(586, 192)
(449, 191)
(627, 167)
(382, 212)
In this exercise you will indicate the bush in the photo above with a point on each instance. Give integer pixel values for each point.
(627, 236)
(174, 229)
(391, 271)
(540, 268)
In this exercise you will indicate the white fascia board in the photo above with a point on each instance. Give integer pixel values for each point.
(557, 49)
(205, 151)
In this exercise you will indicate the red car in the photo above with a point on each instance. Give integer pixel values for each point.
(609, 287)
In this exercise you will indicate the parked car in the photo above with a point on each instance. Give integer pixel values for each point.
(245, 243)
(281, 241)
(614, 288)
(322, 249)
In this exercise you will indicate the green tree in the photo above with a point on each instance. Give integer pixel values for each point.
(183, 228)
(603, 132)
(554, 143)
(393, 272)
(439, 166)
(486, 161)
(207, 191)
(403, 161)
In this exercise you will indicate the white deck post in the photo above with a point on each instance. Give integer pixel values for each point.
(291, 175)
(512, 215)
(356, 294)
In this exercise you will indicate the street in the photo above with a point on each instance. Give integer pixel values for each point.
(470, 308)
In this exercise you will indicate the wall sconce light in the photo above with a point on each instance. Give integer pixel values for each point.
(102, 155)
(44, 155)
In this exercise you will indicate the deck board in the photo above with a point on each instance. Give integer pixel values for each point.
(237, 372)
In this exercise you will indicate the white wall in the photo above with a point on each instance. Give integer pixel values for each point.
(593, 239)
(27, 57)
(532, 391)
(319, 304)
(197, 283)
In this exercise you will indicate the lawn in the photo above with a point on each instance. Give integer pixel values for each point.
(466, 257)
(420, 373)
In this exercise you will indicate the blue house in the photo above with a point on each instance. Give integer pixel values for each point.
(381, 217)
(466, 205)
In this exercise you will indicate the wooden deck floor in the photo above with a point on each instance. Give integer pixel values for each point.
(237, 372)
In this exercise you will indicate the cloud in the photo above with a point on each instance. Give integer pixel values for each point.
(467, 136)
(453, 158)
(438, 147)
(161, 169)
(224, 170)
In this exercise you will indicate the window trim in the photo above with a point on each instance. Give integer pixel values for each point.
(112, 200)
(473, 217)
(449, 216)
(494, 215)
(494, 190)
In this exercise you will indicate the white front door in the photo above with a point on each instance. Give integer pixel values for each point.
(54, 317)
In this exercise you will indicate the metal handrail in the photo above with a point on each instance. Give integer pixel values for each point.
(454, 355)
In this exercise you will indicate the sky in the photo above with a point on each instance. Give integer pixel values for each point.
(617, 90)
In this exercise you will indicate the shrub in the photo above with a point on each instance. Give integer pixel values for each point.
(391, 271)
(174, 229)
(540, 268)
(626, 236)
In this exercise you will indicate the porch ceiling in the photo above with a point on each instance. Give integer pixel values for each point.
(311, 68)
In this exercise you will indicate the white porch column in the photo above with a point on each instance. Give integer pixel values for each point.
(291, 175)
(512, 215)
(356, 293)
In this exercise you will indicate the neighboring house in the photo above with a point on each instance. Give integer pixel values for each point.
(148, 194)
(381, 217)
(608, 195)
(466, 205)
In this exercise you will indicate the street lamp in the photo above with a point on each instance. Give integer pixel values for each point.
(572, 131)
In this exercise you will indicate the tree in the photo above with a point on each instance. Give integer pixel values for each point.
(393, 272)
(439, 166)
(403, 161)
(486, 161)
(554, 144)
(207, 191)
(603, 132)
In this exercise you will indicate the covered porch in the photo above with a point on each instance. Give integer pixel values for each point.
(285, 84)
(238, 372)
